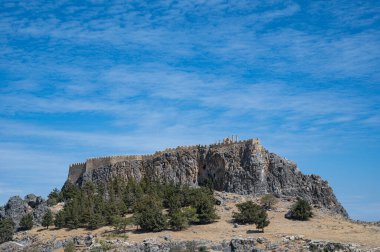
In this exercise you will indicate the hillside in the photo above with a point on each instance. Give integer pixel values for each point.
(324, 230)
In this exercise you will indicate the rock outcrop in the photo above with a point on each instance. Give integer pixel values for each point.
(17, 207)
(243, 167)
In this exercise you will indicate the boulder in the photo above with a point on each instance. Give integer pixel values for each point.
(242, 245)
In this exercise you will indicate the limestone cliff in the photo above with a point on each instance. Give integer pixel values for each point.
(243, 167)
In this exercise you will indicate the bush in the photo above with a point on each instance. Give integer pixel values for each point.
(7, 229)
(268, 201)
(47, 219)
(251, 213)
(301, 210)
(70, 247)
(148, 214)
(26, 222)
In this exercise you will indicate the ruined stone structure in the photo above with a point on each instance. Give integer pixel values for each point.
(243, 167)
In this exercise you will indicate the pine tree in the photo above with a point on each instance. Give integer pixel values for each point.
(26, 222)
(7, 229)
(54, 197)
(148, 214)
(59, 220)
(203, 202)
(47, 219)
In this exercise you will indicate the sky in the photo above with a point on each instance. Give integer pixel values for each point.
(80, 79)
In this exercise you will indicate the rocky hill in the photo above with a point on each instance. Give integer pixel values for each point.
(243, 167)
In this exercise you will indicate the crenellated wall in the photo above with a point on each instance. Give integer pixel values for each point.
(76, 170)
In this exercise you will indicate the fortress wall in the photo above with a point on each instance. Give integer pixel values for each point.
(94, 163)
(75, 171)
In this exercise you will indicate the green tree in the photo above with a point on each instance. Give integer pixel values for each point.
(59, 221)
(54, 197)
(268, 201)
(251, 213)
(178, 220)
(301, 210)
(96, 221)
(204, 202)
(26, 222)
(182, 218)
(7, 229)
(47, 219)
(120, 223)
(262, 219)
(148, 214)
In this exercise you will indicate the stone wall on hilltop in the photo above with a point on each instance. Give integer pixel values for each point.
(243, 167)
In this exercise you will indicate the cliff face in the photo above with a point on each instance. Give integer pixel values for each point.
(243, 167)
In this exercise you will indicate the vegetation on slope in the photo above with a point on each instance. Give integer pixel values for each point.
(93, 206)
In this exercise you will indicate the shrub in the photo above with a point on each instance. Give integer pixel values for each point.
(268, 201)
(7, 229)
(47, 219)
(251, 213)
(26, 222)
(148, 214)
(301, 210)
(70, 247)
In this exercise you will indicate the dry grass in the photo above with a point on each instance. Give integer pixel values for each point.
(323, 226)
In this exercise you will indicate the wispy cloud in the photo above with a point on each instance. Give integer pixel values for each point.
(98, 78)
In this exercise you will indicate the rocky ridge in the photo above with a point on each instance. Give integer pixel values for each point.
(243, 167)
(17, 207)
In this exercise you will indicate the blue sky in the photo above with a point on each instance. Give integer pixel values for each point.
(91, 78)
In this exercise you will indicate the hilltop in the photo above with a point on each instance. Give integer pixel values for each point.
(242, 167)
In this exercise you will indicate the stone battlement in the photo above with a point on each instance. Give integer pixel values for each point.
(92, 163)
(117, 158)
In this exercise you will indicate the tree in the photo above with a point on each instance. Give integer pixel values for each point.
(59, 221)
(120, 223)
(181, 218)
(96, 221)
(203, 202)
(26, 222)
(54, 197)
(268, 201)
(262, 219)
(251, 213)
(7, 229)
(148, 214)
(47, 219)
(301, 210)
